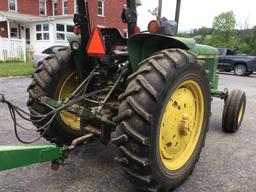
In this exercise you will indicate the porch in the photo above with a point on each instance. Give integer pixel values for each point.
(12, 49)
(14, 25)
(38, 33)
(15, 36)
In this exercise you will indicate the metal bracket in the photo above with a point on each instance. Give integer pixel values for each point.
(80, 140)
(220, 94)
(75, 109)
(129, 15)
(78, 19)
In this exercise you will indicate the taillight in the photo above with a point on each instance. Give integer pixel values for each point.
(136, 30)
(153, 26)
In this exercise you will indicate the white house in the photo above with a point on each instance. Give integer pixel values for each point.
(39, 32)
(43, 23)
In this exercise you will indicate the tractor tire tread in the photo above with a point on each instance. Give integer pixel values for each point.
(135, 149)
(142, 161)
(130, 91)
(134, 134)
(143, 178)
(146, 69)
(42, 79)
(139, 109)
(148, 87)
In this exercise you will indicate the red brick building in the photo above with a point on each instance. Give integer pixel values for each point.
(45, 22)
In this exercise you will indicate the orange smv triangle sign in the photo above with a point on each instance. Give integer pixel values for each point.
(96, 46)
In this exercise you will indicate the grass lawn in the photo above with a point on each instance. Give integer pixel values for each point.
(15, 69)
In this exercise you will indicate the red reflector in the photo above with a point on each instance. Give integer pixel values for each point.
(136, 30)
(96, 45)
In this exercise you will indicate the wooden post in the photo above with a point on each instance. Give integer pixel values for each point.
(8, 28)
(24, 50)
(1, 50)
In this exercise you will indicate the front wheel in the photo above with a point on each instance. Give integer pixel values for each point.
(233, 112)
(240, 70)
(163, 120)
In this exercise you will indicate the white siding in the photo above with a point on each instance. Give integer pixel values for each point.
(40, 45)
(12, 49)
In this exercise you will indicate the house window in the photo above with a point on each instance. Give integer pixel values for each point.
(42, 7)
(42, 32)
(14, 32)
(65, 7)
(100, 7)
(62, 31)
(13, 5)
(55, 7)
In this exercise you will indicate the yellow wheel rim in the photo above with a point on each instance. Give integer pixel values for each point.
(181, 125)
(69, 85)
(241, 113)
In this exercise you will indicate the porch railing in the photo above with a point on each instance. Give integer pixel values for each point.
(12, 49)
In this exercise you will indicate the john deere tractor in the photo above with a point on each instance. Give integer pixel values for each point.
(149, 94)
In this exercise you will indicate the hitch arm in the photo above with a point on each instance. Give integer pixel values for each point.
(78, 110)
(18, 156)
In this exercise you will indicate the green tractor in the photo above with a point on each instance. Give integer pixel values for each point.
(149, 94)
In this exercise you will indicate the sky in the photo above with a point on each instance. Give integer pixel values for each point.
(198, 13)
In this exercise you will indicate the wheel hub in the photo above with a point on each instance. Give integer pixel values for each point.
(181, 125)
(241, 113)
(239, 70)
(70, 84)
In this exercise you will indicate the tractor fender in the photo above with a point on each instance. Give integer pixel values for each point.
(143, 45)
(78, 55)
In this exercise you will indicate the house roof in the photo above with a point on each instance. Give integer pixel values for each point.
(8, 15)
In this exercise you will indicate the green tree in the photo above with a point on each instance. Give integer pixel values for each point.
(203, 31)
(253, 41)
(184, 34)
(198, 38)
(244, 48)
(201, 34)
(224, 30)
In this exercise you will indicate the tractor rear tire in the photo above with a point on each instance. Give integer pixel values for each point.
(233, 111)
(48, 80)
(167, 87)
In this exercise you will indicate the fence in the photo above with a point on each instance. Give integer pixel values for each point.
(12, 49)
